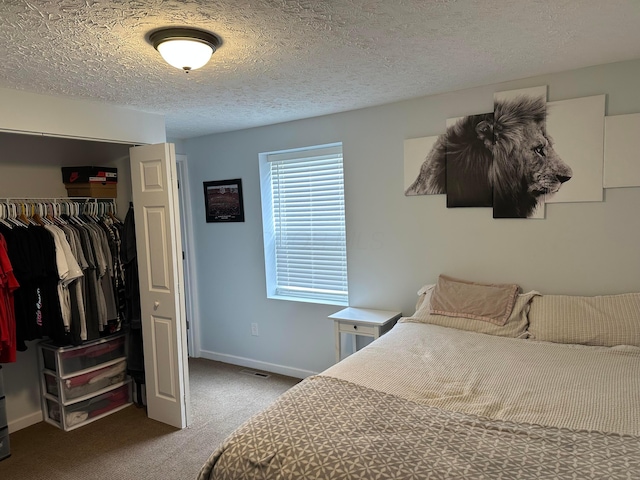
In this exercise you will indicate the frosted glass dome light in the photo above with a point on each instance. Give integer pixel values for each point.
(185, 48)
(185, 54)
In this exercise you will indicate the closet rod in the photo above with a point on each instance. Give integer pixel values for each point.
(58, 199)
(86, 201)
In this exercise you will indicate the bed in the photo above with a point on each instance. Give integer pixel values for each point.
(545, 386)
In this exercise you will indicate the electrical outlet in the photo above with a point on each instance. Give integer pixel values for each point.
(254, 329)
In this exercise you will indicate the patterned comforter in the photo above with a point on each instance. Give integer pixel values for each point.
(326, 428)
(404, 408)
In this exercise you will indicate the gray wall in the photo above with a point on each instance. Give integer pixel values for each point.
(397, 243)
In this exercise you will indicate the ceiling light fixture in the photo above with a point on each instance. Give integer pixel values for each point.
(185, 48)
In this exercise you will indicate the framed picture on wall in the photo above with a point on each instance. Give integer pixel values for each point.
(223, 201)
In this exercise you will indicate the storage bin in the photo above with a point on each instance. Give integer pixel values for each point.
(83, 412)
(49, 359)
(4, 443)
(89, 174)
(92, 190)
(3, 412)
(76, 359)
(87, 383)
(51, 384)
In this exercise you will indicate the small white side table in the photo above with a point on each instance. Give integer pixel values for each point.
(361, 321)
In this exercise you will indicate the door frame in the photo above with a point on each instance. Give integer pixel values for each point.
(188, 247)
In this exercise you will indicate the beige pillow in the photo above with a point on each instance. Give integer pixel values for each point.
(515, 327)
(606, 320)
(478, 301)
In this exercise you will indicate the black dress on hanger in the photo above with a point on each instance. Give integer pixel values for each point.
(133, 317)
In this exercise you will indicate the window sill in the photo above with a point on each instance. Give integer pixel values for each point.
(308, 300)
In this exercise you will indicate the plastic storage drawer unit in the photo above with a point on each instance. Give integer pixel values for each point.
(83, 383)
(4, 443)
(3, 412)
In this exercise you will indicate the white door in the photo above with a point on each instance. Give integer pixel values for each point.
(155, 200)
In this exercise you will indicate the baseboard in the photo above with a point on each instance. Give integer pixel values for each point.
(26, 421)
(257, 364)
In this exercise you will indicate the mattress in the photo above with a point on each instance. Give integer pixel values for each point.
(425, 401)
(544, 383)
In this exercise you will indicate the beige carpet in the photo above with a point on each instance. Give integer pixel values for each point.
(127, 445)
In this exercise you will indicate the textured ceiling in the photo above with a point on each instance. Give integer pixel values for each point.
(283, 60)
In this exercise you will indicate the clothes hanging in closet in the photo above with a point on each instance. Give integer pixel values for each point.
(98, 241)
(71, 278)
(133, 316)
(8, 285)
(32, 253)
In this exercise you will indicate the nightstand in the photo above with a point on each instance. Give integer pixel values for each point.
(361, 321)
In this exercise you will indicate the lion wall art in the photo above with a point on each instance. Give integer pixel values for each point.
(508, 160)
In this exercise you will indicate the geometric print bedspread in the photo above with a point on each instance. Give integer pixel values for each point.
(325, 428)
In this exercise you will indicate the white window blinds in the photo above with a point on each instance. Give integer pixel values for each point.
(308, 224)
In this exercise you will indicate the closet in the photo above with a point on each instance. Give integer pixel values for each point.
(78, 285)
(30, 167)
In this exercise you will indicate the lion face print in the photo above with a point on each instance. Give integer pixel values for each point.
(506, 156)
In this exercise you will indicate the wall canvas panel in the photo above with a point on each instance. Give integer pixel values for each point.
(577, 129)
(415, 153)
(539, 92)
(622, 151)
(452, 121)
(527, 153)
(518, 163)
(468, 162)
(430, 176)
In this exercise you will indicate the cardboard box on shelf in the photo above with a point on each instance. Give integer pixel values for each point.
(93, 190)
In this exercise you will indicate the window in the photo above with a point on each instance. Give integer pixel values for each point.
(304, 225)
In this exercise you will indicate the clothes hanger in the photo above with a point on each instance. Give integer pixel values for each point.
(77, 207)
(85, 211)
(37, 219)
(66, 213)
(112, 212)
(51, 215)
(46, 214)
(13, 215)
(23, 215)
(49, 212)
(73, 215)
(57, 211)
(3, 215)
(35, 215)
